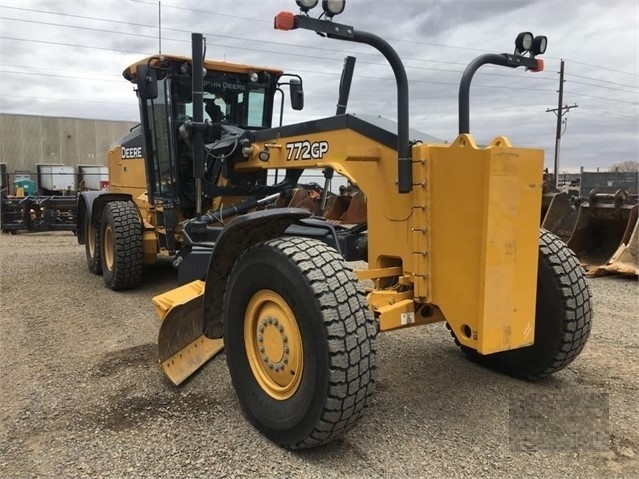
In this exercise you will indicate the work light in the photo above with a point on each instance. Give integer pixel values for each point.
(524, 41)
(306, 5)
(333, 7)
(539, 45)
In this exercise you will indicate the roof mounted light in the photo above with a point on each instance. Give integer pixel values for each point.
(539, 45)
(253, 77)
(523, 42)
(306, 5)
(333, 7)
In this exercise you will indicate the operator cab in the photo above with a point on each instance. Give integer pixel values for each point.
(235, 96)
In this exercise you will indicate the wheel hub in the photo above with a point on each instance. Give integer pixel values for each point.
(273, 344)
(108, 247)
(91, 239)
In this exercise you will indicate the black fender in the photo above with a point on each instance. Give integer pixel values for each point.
(90, 205)
(239, 235)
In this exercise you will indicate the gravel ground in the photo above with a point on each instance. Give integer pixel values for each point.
(83, 396)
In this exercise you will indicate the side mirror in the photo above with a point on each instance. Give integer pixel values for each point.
(297, 94)
(147, 82)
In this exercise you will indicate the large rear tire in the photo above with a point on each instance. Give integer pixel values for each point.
(92, 247)
(300, 341)
(562, 320)
(121, 245)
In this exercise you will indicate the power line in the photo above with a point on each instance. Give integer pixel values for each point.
(254, 49)
(221, 45)
(499, 87)
(247, 49)
(610, 112)
(270, 51)
(603, 68)
(419, 42)
(602, 98)
(61, 70)
(93, 29)
(607, 126)
(270, 21)
(58, 76)
(75, 45)
(603, 81)
(132, 103)
(187, 31)
(237, 38)
(403, 40)
(598, 86)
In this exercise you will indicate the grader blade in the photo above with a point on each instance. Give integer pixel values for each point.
(182, 347)
(626, 259)
(558, 215)
(604, 224)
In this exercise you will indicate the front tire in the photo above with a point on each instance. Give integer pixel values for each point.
(562, 320)
(300, 341)
(121, 245)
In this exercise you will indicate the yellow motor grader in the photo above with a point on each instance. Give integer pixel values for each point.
(272, 284)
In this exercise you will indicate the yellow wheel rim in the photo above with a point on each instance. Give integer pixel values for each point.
(91, 240)
(108, 247)
(273, 344)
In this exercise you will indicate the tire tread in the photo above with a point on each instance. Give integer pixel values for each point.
(569, 281)
(351, 331)
(127, 234)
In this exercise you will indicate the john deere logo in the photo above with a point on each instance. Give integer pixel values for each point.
(129, 153)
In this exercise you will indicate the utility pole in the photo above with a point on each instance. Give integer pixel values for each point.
(559, 111)
(159, 27)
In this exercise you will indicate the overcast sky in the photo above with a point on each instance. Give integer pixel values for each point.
(65, 58)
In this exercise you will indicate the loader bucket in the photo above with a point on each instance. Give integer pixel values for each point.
(347, 209)
(558, 215)
(625, 260)
(604, 224)
(304, 199)
(182, 347)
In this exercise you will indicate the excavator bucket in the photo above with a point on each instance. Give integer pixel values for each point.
(604, 224)
(183, 349)
(558, 214)
(625, 260)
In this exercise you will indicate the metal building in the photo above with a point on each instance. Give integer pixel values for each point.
(27, 140)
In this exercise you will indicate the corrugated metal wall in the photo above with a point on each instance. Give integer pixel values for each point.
(608, 182)
(28, 140)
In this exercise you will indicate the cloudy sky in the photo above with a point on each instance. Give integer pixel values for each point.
(65, 58)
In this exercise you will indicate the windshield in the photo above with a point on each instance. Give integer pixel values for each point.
(228, 98)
